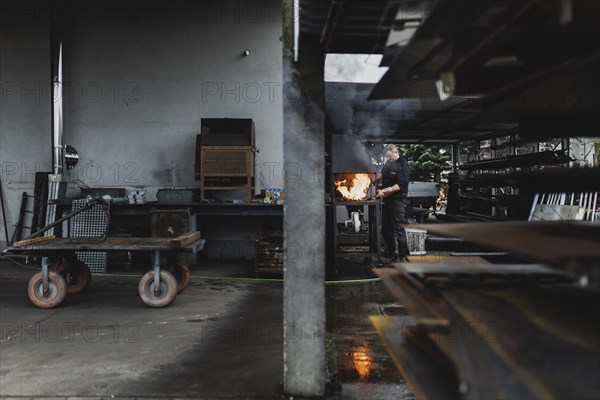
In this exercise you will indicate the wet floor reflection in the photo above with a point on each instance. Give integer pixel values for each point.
(362, 362)
(361, 355)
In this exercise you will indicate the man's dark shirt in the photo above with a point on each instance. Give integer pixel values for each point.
(396, 172)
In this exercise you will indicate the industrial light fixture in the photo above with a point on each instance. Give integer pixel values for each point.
(71, 157)
(450, 85)
(446, 85)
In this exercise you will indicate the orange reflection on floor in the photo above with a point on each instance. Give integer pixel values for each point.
(362, 361)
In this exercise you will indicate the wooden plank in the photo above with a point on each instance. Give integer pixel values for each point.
(482, 374)
(546, 241)
(184, 240)
(107, 244)
(506, 269)
(456, 275)
(28, 242)
(534, 343)
(196, 246)
(427, 378)
(428, 340)
(444, 258)
(419, 303)
(526, 343)
(427, 310)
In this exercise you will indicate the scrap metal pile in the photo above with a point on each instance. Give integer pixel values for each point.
(501, 331)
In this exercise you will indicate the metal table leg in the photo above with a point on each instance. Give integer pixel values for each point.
(45, 276)
(156, 271)
(378, 218)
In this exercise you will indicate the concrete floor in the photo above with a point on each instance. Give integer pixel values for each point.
(220, 338)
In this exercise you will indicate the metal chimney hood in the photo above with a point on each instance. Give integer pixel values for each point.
(348, 155)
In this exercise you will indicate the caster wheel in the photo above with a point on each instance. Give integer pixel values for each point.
(57, 290)
(181, 273)
(76, 274)
(165, 294)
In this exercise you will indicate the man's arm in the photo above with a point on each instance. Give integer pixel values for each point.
(388, 191)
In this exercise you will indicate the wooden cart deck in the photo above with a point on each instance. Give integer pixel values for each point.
(113, 244)
(68, 275)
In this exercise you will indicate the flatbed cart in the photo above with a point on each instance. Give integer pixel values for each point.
(157, 288)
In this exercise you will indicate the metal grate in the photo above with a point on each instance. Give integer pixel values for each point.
(95, 260)
(89, 224)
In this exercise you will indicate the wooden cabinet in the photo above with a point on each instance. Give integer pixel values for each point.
(227, 168)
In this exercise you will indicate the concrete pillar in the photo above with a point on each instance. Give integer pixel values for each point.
(304, 213)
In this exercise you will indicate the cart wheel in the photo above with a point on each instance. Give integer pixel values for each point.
(165, 295)
(77, 274)
(181, 273)
(57, 290)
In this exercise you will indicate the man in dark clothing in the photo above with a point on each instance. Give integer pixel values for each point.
(395, 177)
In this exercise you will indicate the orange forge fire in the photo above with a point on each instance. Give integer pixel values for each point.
(353, 186)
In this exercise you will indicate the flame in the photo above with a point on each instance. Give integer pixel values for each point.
(356, 189)
(362, 361)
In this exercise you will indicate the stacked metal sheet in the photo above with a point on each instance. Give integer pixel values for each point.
(499, 331)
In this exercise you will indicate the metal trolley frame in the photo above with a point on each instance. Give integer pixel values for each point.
(67, 275)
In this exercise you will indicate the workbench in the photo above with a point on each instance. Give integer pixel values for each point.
(202, 209)
(136, 217)
(65, 274)
(229, 229)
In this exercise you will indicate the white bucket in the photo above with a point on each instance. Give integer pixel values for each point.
(416, 241)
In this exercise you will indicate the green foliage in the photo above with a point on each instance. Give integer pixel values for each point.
(596, 142)
(427, 162)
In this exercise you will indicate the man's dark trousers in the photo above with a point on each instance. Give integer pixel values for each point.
(393, 231)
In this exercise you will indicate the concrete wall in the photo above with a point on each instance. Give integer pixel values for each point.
(138, 79)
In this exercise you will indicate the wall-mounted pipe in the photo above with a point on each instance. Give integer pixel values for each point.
(56, 187)
(58, 137)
